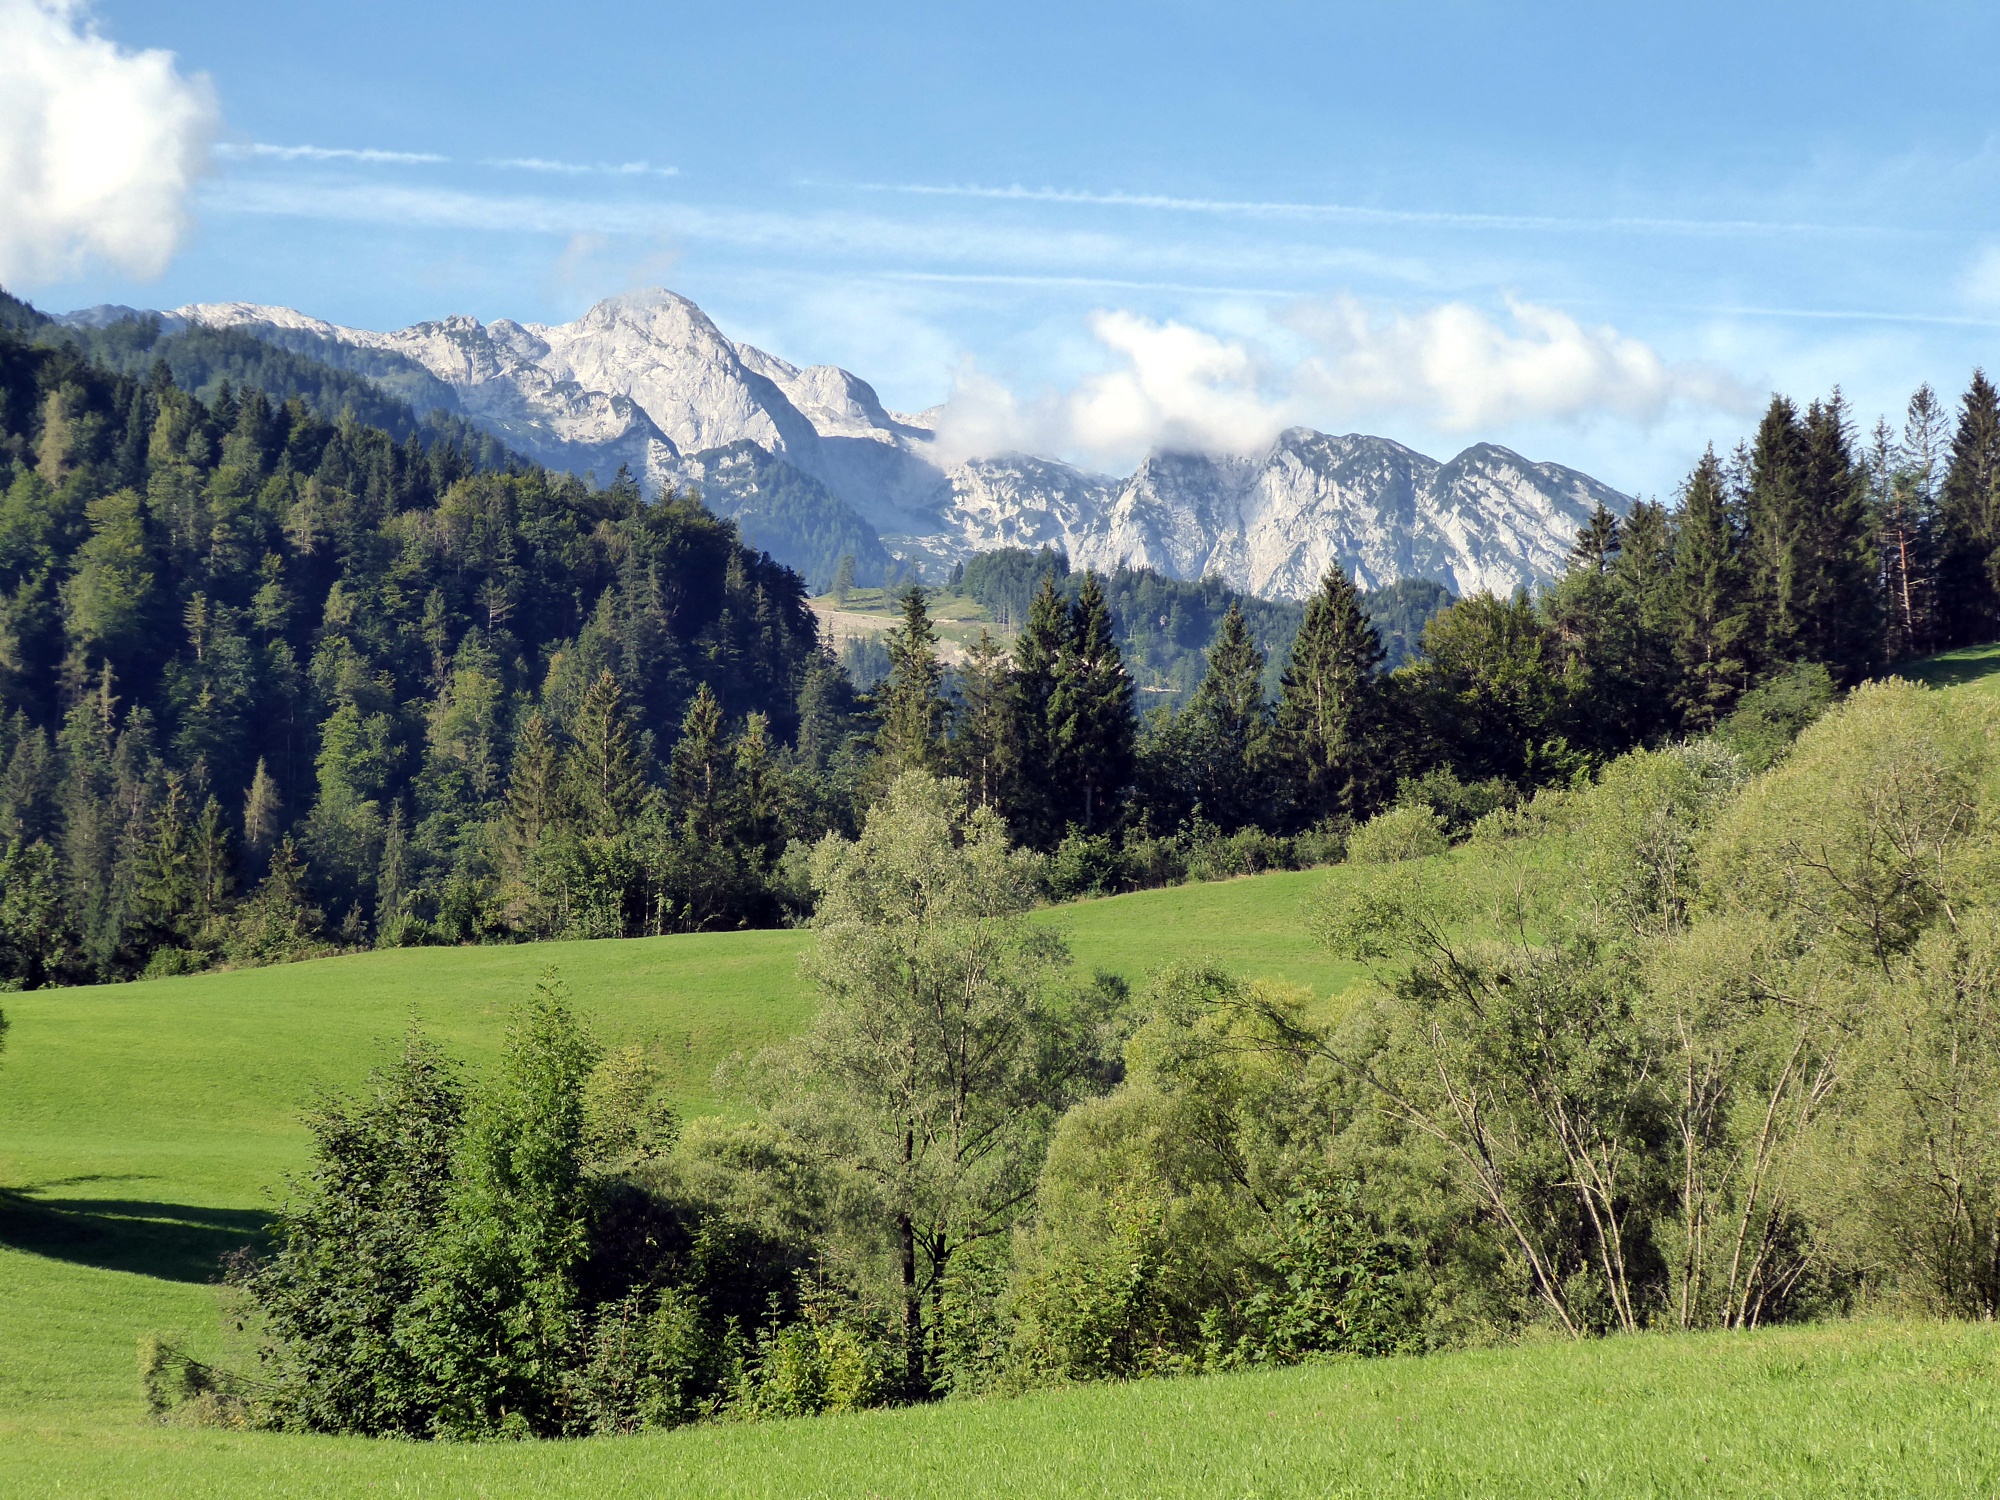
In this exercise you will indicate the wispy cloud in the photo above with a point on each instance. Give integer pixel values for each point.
(924, 245)
(1363, 214)
(260, 150)
(585, 169)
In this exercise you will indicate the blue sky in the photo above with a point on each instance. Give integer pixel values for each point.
(1598, 234)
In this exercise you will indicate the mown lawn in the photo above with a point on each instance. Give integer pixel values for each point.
(1849, 1410)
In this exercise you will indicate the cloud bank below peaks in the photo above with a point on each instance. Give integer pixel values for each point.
(99, 147)
(1450, 369)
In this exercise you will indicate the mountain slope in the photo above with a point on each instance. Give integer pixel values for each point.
(648, 381)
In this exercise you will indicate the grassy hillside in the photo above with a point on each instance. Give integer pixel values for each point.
(145, 1127)
(1976, 667)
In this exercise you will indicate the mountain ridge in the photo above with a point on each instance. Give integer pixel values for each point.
(648, 381)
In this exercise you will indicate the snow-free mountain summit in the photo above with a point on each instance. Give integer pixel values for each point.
(813, 465)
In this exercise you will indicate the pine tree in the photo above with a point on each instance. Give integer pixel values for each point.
(1706, 614)
(1090, 715)
(1329, 706)
(1969, 525)
(1232, 728)
(843, 578)
(912, 697)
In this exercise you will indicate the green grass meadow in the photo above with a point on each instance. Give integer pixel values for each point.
(146, 1129)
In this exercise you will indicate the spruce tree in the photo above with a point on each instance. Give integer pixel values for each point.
(1706, 614)
(1774, 542)
(1969, 525)
(1029, 767)
(1841, 602)
(534, 786)
(1232, 728)
(698, 768)
(1597, 542)
(1921, 460)
(606, 781)
(981, 723)
(1329, 706)
(911, 699)
(261, 809)
(1090, 715)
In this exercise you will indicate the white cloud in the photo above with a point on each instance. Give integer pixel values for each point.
(368, 154)
(1461, 370)
(1170, 386)
(98, 146)
(1450, 368)
(583, 169)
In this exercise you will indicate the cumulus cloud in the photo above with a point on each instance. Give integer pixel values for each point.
(99, 146)
(1461, 369)
(1451, 368)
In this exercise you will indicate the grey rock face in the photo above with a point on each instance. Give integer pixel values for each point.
(647, 380)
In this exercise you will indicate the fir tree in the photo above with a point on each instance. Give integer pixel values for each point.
(1969, 526)
(534, 789)
(1329, 706)
(1031, 770)
(1706, 615)
(261, 810)
(912, 705)
(1232, 728)
(980, 725)
(606, 781)
(1090, 715)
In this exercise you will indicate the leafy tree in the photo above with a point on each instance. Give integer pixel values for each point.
(944, 1047)
(353, 1247)
(499, 1302)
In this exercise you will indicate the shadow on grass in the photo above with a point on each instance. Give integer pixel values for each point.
(1953, 668)
(172, 1241)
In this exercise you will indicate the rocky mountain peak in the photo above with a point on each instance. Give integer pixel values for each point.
(646, 379)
